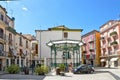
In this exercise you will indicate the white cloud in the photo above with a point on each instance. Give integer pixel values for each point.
(24, 8)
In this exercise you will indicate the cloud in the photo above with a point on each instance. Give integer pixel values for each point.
(24, 8)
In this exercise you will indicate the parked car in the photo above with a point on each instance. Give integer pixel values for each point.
(84, 68)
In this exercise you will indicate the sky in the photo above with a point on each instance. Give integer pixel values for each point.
(31, 15)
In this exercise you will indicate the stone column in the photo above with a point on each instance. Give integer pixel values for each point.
(19, 61)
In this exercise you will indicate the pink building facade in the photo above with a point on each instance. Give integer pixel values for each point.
(110, 43)
(90, 48)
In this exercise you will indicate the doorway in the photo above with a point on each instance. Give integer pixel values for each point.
(0, 64)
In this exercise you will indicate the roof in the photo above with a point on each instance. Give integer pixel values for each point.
(50, 43)
(61, 27)
(89, 33)
(64, 28)
(108, 22)
(3, 9)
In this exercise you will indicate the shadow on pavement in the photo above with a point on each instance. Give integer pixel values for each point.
(115, 76)
(97, 72)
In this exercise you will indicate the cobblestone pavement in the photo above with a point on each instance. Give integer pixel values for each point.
(99, 74)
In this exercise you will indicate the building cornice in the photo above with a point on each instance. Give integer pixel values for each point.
(91, 32)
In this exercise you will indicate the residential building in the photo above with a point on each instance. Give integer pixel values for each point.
(15, 48)
(59, 35)
(7, 33)
(23, 50)
(110, 40)
(33, 56)
(91, 48)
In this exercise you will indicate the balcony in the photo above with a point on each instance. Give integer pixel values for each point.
(2, 53)
(114, 43)
(11, 30)
(102, 38)
(114, 33)
(2, 38)
(84, 51)
(108, 45)
(84, 44)
(91, 49)
(91, 40)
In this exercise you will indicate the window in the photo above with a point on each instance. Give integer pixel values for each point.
(1, 49)
(13, 61)
(1, 17)
(20, 41)
(91, 37)
(20, 52)
(26, 53)
(18, 61)
(7, 62)
(33, 46)
(115, 50)
(10, 39)
(65, 35)
(26, 44)
(36, 47)
(1, 33)
(114, 29)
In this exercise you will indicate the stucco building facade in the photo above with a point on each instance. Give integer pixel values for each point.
(15, 48)
(110, 43)
(55, 34)
(91, 48)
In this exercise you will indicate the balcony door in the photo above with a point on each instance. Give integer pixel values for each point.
(1, 33)
(0, 64)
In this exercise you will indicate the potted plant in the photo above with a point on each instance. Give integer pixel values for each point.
(41, 70)
(62, 69)
(13, 69)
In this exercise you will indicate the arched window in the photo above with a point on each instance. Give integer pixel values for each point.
(1, 33)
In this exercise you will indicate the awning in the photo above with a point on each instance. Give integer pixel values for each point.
(114, 59)
(103, 60)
